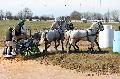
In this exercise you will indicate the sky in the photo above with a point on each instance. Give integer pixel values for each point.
(59, 7)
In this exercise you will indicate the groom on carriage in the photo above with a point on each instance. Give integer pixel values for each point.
(20, 30)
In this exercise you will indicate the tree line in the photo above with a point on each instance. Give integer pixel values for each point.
(26, 13)
(109, 15)
(75, 15)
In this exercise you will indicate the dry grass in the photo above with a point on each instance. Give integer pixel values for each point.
(83, 61)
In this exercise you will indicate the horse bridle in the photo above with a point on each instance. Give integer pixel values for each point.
(99, 24)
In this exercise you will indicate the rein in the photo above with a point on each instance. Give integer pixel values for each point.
(45, 39)
(92, 34)
(59, 34)
(95, 34)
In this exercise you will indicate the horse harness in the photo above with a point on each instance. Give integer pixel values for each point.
(60, 34)
(55, 38)
(45, 39)
(95, 34)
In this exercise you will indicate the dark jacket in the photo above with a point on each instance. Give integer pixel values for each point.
(9, 36)
(18, 30)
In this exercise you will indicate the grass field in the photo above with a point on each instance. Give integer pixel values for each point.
(100, 62)
(4, 24)
(32, 25)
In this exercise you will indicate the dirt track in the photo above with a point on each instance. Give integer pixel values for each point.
(31, 69)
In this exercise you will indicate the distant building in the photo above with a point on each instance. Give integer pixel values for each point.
(84, 20)
(5, 19)
(35, 20)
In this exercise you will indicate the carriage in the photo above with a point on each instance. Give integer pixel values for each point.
(29, 46)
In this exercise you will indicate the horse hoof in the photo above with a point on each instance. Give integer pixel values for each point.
(63, 50)
(44, 51)
(77, 50)
(68, 51)
(100, 50)
(56, 49)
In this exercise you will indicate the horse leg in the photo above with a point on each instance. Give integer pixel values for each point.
(48, 45)
(58, 43)
(71, 43)
(68, 45)
(92, 45)
(77, 45)
(55, 45)
(74, 46)
(62, 45)
(67, 41)
(68, 48)
(97, 45)
(45, 47)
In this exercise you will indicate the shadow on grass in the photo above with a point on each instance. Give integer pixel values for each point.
(44, 54)
(92, 52)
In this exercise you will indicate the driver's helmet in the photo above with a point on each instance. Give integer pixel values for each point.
(10, 28)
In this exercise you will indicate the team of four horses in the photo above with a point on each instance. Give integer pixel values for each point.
(61, 31)
(64, 31)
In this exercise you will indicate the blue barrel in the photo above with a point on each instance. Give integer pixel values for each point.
(116, 41)
(117, 35)
(116, 46)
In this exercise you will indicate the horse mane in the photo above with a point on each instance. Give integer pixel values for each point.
(93, 25)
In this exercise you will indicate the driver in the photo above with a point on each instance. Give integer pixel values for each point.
(20, 30)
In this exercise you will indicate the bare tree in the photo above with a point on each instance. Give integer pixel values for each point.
(8, 15)
(75, 15)
(35, 17)
(107, 16)
(15, 17)
(20, 14)
(45, 18)
(115, 15)
(25, 13)
(88, 15)
(1, 14)
(97, 16)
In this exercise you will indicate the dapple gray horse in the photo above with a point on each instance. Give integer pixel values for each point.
(55, 34)
(90, 35)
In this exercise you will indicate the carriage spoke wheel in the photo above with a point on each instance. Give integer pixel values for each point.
(27, 49)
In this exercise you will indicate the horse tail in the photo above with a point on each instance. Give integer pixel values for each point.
(43, 39)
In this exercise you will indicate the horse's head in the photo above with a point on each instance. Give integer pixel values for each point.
(69, 26)
(98, 26)
(63, 24)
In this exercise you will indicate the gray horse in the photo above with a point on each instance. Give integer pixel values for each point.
(55, 34)
(90, 35)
